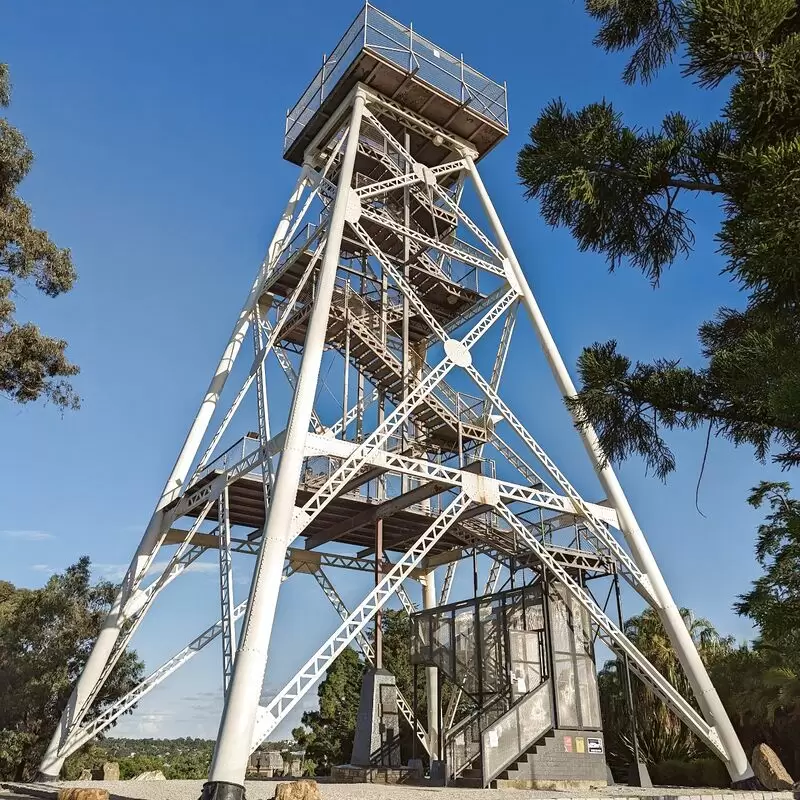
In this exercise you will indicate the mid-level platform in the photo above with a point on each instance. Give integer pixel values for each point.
(406, 512)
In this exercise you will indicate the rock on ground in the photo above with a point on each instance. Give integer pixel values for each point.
(82, 794)
(298, 790)
(769, 770)
(156, 775)
(265, 790)
(108, 772)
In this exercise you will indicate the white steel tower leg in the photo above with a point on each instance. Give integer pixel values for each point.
(226, 589)
(87, 683)
(431, 673)
(229, 763)
(704, 690)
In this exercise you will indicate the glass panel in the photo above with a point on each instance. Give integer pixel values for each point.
(524, 659)
(566, 697)
(590, 701)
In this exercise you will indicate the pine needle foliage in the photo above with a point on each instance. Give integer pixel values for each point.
(626, 192)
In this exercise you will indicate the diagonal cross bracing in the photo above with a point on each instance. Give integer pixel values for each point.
(617, 640)
(258, 361)
(369, 655)
(270, 716)
(84, 734)
(599, 535)
(447, 583)
(380, 206)
(458, 253)
(352, 464)
(408, 179)
(422, 469)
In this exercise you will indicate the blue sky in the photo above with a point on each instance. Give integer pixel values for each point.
(157, 130)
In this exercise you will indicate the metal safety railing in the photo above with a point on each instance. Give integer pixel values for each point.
(232, 455)
(377, 32)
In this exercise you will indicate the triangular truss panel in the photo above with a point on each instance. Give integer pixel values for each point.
(376, 263)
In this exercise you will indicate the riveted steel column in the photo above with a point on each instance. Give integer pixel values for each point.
(704, 691)
(87, 683)
(238, 717)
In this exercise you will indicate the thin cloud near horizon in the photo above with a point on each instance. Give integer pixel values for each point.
(28, 535)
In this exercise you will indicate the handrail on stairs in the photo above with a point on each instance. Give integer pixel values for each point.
(506, 735)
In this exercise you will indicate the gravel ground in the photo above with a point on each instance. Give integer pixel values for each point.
(264, 790)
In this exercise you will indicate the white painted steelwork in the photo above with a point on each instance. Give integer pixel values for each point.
(398, 283)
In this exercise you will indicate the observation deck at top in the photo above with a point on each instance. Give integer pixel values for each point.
(395, 61)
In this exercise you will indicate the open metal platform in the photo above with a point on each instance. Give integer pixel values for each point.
(405, 67)
(350, 518)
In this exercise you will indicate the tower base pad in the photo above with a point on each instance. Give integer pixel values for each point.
(550, 786)
(348, 773)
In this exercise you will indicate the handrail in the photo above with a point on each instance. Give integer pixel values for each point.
(524, 710)
(461, 724)
(457, 766)
(374, 30)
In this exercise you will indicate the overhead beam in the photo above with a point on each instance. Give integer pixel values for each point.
(370, 475)
(566, 520)
(381, 511)
(402, 544)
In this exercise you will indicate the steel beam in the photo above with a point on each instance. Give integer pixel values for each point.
(229, 763)
(383, 510)
(226, 590)
(369, 656)
(92, 673)
(704, 691)
(270, 716)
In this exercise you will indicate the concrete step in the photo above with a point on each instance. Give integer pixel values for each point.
(467, 783)
(472, 772)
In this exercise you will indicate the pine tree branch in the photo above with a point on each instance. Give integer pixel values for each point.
(670, 181)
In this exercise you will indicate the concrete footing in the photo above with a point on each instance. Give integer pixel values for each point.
(377, 737)
(349, 773)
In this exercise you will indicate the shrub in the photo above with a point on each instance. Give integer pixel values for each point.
(132, 766)
(700, 772)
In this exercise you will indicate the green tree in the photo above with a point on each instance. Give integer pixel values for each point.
(626, 193)
(32, 365)
(761, 684)
(131, 766)
(397, 659)
(329, 732)
(329, 738)
(760, 687)
(661, 735)
(46, 636)
(91, 755)
(774, 601)
(192, 765)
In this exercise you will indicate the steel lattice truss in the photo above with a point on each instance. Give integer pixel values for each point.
(398, 285)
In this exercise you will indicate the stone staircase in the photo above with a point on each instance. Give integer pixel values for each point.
(525, 765)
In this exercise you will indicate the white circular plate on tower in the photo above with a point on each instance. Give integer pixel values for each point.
(457, 353)
(352, 211)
